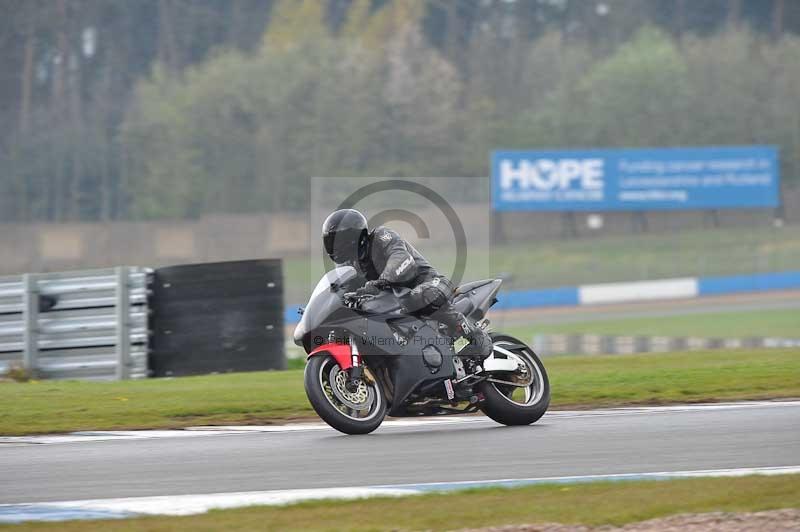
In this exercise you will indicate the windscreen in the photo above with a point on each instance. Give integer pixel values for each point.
(317, 308)
(340, 274)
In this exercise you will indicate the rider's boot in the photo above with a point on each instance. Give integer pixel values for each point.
(480, 343)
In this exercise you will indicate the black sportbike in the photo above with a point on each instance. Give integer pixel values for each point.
(368, 358)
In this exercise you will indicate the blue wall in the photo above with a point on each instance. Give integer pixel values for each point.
(748, 283)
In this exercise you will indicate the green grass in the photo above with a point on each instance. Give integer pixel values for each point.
(267, 397)
(603, 503)
(568, 262)
(57, 406)
(678, 377)
(783, 323)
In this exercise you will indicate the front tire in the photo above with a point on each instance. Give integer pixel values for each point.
(358, 412)
(512, 405)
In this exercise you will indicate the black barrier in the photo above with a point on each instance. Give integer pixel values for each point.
(217, 317)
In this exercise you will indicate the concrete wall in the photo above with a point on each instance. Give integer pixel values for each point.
(52, 247)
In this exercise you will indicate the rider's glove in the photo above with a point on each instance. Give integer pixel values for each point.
(372, 288)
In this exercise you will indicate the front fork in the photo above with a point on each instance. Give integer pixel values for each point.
(356, 371)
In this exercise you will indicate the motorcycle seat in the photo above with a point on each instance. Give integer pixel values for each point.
(466, 287)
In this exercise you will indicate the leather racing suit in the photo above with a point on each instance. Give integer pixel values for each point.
(390, 260)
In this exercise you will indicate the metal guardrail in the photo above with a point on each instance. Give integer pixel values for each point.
(76, 325)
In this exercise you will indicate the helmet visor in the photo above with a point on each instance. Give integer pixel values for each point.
(341, 246)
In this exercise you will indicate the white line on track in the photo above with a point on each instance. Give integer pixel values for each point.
(201, 503)
(191, 432)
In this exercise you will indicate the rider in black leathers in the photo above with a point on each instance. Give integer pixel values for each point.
(386, 260)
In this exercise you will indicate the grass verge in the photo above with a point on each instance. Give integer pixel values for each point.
(603, 503)
(783, 323)
(269, 397)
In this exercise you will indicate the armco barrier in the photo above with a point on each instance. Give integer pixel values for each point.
(664, 289)
(76, 325)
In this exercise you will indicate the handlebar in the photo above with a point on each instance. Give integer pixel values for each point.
(353, 300)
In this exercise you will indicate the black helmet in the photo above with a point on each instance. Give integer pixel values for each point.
(343, 232)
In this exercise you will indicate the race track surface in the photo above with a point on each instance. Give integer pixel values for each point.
(622, 441)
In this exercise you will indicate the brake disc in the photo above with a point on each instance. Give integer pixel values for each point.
(360, 399)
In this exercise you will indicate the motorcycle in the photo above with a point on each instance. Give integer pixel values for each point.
(369, 357)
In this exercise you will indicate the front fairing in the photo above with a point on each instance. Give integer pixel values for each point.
(324, 300)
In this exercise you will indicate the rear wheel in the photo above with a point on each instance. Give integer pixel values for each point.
(352, 411)
(525, 401)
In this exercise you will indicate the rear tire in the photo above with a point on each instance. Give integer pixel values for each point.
(499, 403)
(334, 412)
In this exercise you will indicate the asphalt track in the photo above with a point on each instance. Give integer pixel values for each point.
(740, 435)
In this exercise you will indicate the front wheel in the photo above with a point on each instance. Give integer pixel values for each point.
(352, 411)
(514, 404)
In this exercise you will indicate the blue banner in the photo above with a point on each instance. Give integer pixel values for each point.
(636, 179)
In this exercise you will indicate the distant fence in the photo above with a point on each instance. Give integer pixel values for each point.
(592, 344)
(76, 325)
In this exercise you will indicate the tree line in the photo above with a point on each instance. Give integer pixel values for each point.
(177, 108)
